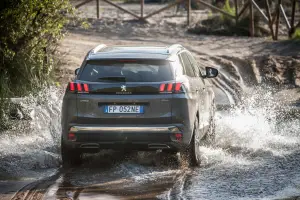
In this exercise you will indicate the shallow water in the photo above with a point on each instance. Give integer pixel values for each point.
(256, 156)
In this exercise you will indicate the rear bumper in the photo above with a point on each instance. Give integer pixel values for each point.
(126, 129)
(152, 137)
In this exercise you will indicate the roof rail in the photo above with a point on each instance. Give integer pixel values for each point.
(174, 47)
(98, 48)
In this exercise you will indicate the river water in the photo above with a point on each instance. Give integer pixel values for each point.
(256, 156)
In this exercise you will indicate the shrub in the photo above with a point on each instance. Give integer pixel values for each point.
(225, 25)
(227, 8)
(296, 35)
(30, 31)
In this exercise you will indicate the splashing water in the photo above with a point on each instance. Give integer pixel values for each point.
(254, 129)
(26, 149)
(255, 156)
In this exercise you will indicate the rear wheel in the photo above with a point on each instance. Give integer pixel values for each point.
(210, 136)
(192, 154)
(127, 153)
(170, 151)
(70, 157)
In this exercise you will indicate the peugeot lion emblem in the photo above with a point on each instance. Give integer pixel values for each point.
(123, 88)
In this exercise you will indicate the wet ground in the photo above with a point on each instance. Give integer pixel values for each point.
(254, 158)
(259, 165)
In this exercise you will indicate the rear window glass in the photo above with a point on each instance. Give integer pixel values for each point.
(128, 70)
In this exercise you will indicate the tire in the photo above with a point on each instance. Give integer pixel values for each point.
(171, 152)
(210, 137)
(192, 153)
(126, 153)
(212, 131)
(70, 157)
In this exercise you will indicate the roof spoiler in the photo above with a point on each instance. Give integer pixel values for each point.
(174, 47)
(98, 48)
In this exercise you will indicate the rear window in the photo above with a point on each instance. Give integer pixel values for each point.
(127, 70)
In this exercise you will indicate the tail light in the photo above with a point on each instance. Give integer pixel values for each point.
(71, 137)
(178, 136)
(86, 87)
(162, 87)
(171, 88)
(72, 86)
(78, 87)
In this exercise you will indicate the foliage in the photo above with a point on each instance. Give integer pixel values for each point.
(225, 25)
(227, 8)
(30, 31)
(296, 35)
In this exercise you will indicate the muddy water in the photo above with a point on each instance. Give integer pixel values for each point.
(256, 156)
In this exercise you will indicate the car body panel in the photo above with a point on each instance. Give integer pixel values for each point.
(100, 130)
(157, 109)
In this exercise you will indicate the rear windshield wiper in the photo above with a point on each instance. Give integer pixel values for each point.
(113, 78)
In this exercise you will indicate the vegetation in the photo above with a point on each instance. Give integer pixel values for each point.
(227, 8)
(225, 25)
(296, 35)
(30, 30)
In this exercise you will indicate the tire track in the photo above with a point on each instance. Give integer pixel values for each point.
(35, 190)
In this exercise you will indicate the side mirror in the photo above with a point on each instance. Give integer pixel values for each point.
(77, 71)
(211, 72)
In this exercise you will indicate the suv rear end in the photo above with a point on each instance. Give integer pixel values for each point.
(125, 103)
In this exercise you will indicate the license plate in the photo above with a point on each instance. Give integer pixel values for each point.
(123, 109)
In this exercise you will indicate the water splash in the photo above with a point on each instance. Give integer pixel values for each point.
(253, 129)
(256, 155)
(32, 145)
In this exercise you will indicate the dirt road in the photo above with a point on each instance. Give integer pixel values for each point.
(256, 156)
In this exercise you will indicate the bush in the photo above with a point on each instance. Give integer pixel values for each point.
(296, 35)
(227, 8)
(225, 25)
(30, 30)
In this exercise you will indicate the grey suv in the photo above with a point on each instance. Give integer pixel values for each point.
(138, 98)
